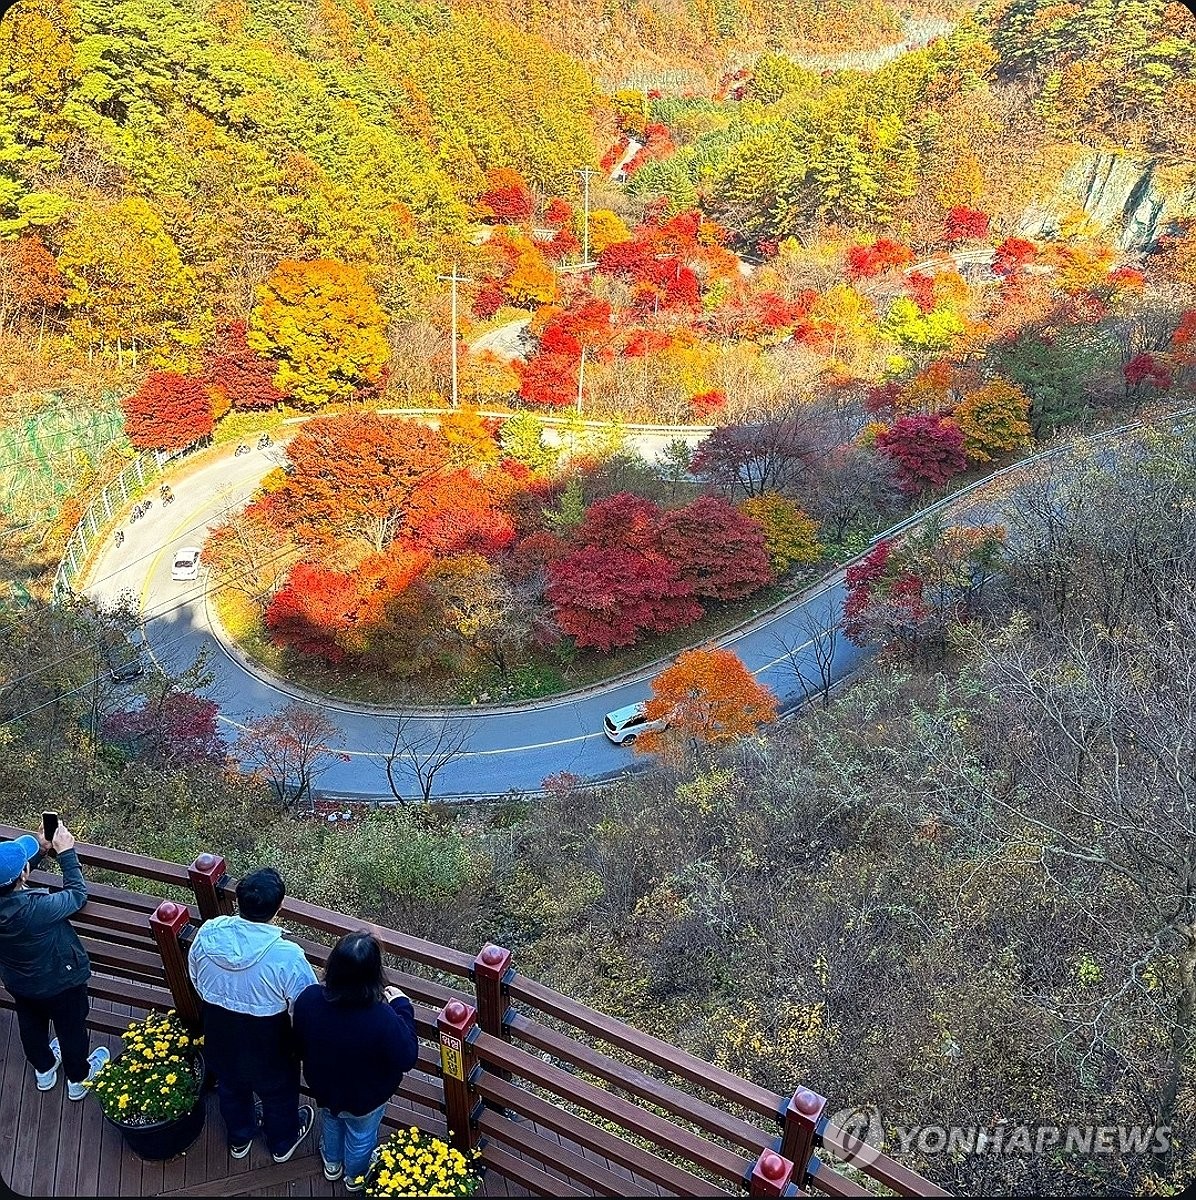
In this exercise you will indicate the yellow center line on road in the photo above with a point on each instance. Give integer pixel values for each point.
(185, 525)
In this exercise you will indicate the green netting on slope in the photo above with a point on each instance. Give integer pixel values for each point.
(43, 455)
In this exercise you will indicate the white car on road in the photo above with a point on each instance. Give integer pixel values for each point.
(186, 563)
(624, 725)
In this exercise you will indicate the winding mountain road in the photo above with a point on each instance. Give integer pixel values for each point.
(513, 747)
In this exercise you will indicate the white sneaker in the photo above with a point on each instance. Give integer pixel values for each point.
(96, 1060)
(47, 1079)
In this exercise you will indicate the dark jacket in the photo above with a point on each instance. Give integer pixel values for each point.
(354, 1058)
(40, 953)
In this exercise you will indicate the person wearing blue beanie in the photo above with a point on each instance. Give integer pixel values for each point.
(43, 964)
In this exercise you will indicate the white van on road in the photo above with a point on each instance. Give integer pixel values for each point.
(624, 725)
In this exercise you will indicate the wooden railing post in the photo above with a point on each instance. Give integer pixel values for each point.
(492, 972)
(770, 1176)
(167, 922)
(457, 1024)
(207, 873)
(800, 1136)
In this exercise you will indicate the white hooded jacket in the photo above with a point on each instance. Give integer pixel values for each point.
(247, 967)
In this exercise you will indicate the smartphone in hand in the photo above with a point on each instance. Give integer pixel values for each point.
(49, 825)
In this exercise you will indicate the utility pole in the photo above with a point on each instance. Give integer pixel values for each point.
(585, 173)
(581, 375)
(456, 279)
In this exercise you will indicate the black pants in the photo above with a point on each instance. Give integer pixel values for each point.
(68, 1011)
(254, 1055)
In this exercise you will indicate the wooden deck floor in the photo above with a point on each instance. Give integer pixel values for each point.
(50, 1146)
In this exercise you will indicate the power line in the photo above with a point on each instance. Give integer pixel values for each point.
(161, 646)
(146, 617)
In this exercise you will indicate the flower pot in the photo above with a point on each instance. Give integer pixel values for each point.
(165, 1139)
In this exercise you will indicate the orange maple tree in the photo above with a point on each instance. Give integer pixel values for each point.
(353, 478)
(709, 698)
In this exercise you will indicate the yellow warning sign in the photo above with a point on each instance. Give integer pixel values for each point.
(451, 1062)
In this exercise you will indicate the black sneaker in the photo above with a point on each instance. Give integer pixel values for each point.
(242, 1150)
(307, 1118)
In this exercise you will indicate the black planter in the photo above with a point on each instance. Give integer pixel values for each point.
(165, 1139)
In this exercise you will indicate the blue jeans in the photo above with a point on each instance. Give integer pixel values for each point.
(350, 1140)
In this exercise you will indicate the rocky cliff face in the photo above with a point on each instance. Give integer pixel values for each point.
(1129, 200)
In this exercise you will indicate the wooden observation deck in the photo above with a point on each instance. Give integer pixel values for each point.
(561, 1100)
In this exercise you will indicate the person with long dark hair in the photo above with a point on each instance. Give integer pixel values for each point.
(356, 1039)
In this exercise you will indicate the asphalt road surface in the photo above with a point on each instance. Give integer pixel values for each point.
(509, 749)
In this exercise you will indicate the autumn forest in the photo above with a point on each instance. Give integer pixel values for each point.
(498, 353)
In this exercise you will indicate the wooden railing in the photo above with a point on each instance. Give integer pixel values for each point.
(499, 1078)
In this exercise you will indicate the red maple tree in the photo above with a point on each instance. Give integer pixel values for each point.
(927, 451)
(1013, 256)
(604, 597)
(559, 213)
(455, 514)
(921, 289)
(1145, 369)
(532, 554)
(179, 730)
(865, 261)
(548, 379)
(717, 550)
(963, 223)
(877, 580)
(507, 197)
(168, 412)
(705, 404)
(238, 375)
(354, 476)
(311, 609)
(488, 301)
(30, 282)
(622, 520)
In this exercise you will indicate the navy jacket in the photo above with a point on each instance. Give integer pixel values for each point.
(40, 953)
(354, 1058)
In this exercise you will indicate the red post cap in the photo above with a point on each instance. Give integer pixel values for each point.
(771, 1175)
(492, 962)
(169, 915)
(208, 866)
(457, 1018)
(807, 1103)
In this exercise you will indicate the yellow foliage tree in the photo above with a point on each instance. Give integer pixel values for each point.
(1081, 266)
(322, 321)
(470, 442)
(708, 698)
(127, 286)
(847, 321)
(994, 420)
(790, 536)
(532, 281)
(606, 229)
(631, 111)
(38, 68)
